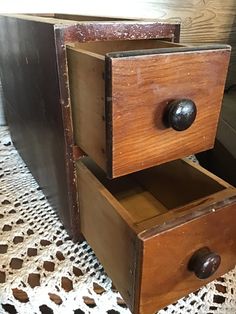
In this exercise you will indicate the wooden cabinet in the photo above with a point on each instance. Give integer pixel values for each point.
(102, 112)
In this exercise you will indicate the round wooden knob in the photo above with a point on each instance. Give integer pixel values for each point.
(204, 263)
(181, 114)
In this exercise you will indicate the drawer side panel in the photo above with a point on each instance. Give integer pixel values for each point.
(87, 91)
(108, 233)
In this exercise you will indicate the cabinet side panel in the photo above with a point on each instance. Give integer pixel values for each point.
(29, 77)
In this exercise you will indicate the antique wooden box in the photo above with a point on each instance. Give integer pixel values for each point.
(103, 113)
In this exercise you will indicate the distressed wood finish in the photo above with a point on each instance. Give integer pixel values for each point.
(146, 239)
(125, 30)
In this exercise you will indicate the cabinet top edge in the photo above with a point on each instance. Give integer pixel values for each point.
(60, 22)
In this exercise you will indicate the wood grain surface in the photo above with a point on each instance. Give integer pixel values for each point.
(140, 88)
(87, 92)
(173, 184)
(105, 225)
(165, 276)
(211, 21)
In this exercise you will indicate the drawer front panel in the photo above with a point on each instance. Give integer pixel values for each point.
(165, 276)
(139, 89)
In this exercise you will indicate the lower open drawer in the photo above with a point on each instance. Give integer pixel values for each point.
(160, 233)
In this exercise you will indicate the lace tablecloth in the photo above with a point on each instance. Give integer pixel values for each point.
(43, 271)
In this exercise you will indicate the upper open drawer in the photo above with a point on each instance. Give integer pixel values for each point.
(137, 104)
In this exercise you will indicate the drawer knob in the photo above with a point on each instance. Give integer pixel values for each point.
(204, 263)
(181, 114)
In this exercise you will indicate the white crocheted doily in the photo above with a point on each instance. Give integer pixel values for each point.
(43, 271)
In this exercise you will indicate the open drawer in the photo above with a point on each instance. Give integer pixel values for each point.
(160, 233)
(150, 103)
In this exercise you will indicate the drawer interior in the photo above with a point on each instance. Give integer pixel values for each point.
(104, 47)
(153, 192)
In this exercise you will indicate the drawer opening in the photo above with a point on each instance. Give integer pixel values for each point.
(103, 47)
(155, 191)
